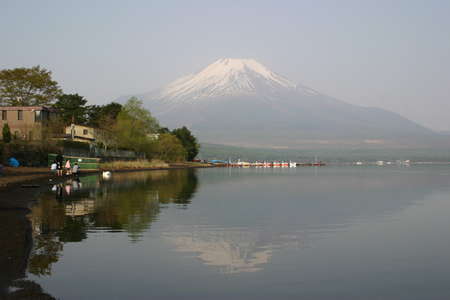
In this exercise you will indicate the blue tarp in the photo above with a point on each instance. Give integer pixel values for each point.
(13, 162)
(216, 161)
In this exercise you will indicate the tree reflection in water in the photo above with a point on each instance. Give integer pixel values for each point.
(127, 202)
(131, 202)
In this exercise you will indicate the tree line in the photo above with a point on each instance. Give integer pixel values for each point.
(119, 126)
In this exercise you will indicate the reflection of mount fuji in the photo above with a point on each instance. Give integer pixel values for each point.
(267, 212)
(233, 250)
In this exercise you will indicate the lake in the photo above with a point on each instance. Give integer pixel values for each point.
(302, 233)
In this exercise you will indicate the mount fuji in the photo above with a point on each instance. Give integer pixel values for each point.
(242, 102)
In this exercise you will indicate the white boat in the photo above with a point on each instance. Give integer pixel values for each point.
(243, 164)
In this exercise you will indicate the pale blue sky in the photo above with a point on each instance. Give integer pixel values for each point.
(389, 54)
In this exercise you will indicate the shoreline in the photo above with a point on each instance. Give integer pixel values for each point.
(14, 196)
(12, 176)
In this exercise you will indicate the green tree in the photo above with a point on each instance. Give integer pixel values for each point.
(104, 118)
(134, 126)
(98, 114)
(170, 149)
(72, 109)
(140, 115)
(188, 141)
(130, 133)
(163, 130)
(106, 133)
(27, 86)
(6, 133)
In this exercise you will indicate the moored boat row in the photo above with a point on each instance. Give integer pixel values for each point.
(272, 164)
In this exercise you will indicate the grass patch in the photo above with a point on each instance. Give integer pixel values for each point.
(133, 164)
(190, 164)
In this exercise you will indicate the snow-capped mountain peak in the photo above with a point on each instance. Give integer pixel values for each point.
(242, 102)
(226, 77)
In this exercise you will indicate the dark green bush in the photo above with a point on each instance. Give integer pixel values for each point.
(6, 133)
(1, 151)
(74, 145)
(28, 154)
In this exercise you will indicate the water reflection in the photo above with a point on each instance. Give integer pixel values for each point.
(125, 202)
(232, 250)
(16, 247)
(241, 222)
(70, 210)
(287, 209)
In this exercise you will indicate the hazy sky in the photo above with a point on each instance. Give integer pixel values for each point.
(389, 54)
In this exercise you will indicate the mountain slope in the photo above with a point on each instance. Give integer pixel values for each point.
(241, 102)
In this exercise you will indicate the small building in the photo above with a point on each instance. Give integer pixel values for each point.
(26, 122)
(80, 133)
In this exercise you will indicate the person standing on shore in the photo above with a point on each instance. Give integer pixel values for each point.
(68, 167)
(54, 167)
(75, 169)
(59, 164)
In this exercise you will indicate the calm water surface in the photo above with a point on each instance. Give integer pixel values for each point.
(326, 233)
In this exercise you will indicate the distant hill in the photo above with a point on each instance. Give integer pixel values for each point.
(331, 155)
(241, 102)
